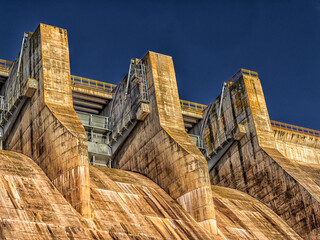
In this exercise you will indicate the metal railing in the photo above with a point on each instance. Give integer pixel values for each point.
(89, 83)
(191, 106)
(2, 104)
(240, 73)
(197, 140)
(96, 138)
(94, 84)
(5, 65)
(122, 124)
(295, 129)
(94, 121)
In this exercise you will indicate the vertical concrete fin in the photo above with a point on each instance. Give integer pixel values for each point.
(48, 129)
(160, 148)
(259, 112)
(292, 145)
(302, 175)
(254, 165)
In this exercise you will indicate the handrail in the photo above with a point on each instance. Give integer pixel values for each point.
(197, 140)
(293, 128)
(240, 73)
(186, 105)
(5, 65)
(89, 83)
(192, 106)
(93, 120)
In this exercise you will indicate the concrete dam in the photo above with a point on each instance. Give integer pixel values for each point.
(84, 159)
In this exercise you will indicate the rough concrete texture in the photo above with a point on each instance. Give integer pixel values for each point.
(298, 147)
(160, 148)
(131, 206)
(126, 206)
(174, 199)
(254, 165)
(31, 207)
(87, 90)
(48, 130)
(240, 216)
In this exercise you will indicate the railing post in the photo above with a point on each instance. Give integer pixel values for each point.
(107, 123)
(90, 120)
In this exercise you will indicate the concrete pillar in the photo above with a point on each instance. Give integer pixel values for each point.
(160, 148)
(255, 166)
(48, 129)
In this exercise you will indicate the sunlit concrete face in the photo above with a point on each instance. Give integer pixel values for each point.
(48, 129)
(298, 147)
(126, 205)
(162, 187)
(160, 148)
(264, 163)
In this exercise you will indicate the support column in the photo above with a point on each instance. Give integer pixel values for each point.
(48, 129)
(160, 148)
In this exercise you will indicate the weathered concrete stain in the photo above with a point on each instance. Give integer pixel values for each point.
(240, 216)
(48, 129)
(175, 199)
(160, 148)
(133, 204)
(255, 166)
(126, 206)
(298, 147)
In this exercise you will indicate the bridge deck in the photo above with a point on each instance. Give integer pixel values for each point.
(4, 70)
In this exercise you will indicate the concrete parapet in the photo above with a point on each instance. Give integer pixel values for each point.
(298, 147)
(90, 91)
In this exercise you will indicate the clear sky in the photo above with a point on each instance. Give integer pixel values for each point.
(208, 40)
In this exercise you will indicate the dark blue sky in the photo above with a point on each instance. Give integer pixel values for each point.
(209, 42)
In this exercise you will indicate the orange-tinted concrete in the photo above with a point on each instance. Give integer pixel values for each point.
(48, 129)
(160, 148)
(254, 164)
